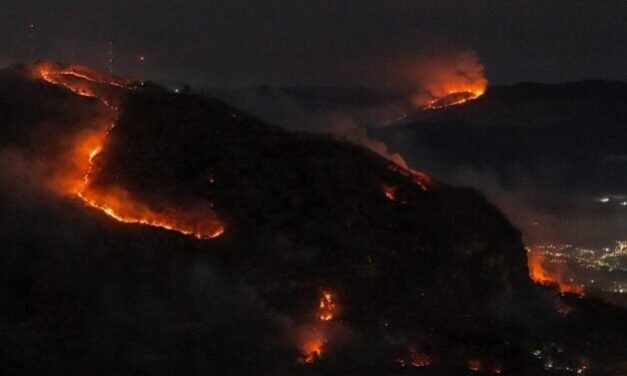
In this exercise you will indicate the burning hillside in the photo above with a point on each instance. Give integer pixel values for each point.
(77, 178)
(319, 271)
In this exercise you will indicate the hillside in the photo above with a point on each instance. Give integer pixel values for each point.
(319, 256)
(546, 154)
(575, 129)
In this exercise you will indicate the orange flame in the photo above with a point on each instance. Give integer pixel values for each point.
(77, 176)
(312, 344)
(327, 307)
(448, 80)
(554, 278)
(314, 337)
(118, 204)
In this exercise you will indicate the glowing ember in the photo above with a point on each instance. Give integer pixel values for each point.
(314, 337)
(389, 192)
(543, 276)
(312, 345)
(77, 176)
(415, 359)
(327, 307)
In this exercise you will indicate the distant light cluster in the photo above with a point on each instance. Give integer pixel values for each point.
(594, 259)
(552, 355)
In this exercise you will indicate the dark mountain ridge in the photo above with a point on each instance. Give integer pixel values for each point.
(439, 271)
(563, 146)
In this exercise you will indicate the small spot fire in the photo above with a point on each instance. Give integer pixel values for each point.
(389, 192)
(76, 176)
(327, 307)
(421, 179)
(313, 341)
(314, 337)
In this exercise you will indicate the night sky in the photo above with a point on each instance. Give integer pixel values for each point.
(359, 42)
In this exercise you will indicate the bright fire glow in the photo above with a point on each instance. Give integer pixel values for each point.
(553, 277)
(327, 307)
(76, 177)
(454, 98)
(449, 79)
(314, 337)
(312, 344)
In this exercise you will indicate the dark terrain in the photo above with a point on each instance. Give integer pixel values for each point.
(440, 271)
(545, 153)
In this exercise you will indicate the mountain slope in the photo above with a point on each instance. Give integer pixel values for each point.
(400, 269)
(575, 128)
(546, 154)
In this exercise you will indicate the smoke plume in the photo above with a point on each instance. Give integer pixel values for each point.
(445, 74)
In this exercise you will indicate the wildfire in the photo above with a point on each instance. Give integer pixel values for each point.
(313, 341)
(314, 337)
(118, 204)
(327, 307)
(77, 177)
(543, 276)
(54, 73)
(453, 99)
(449, 79)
